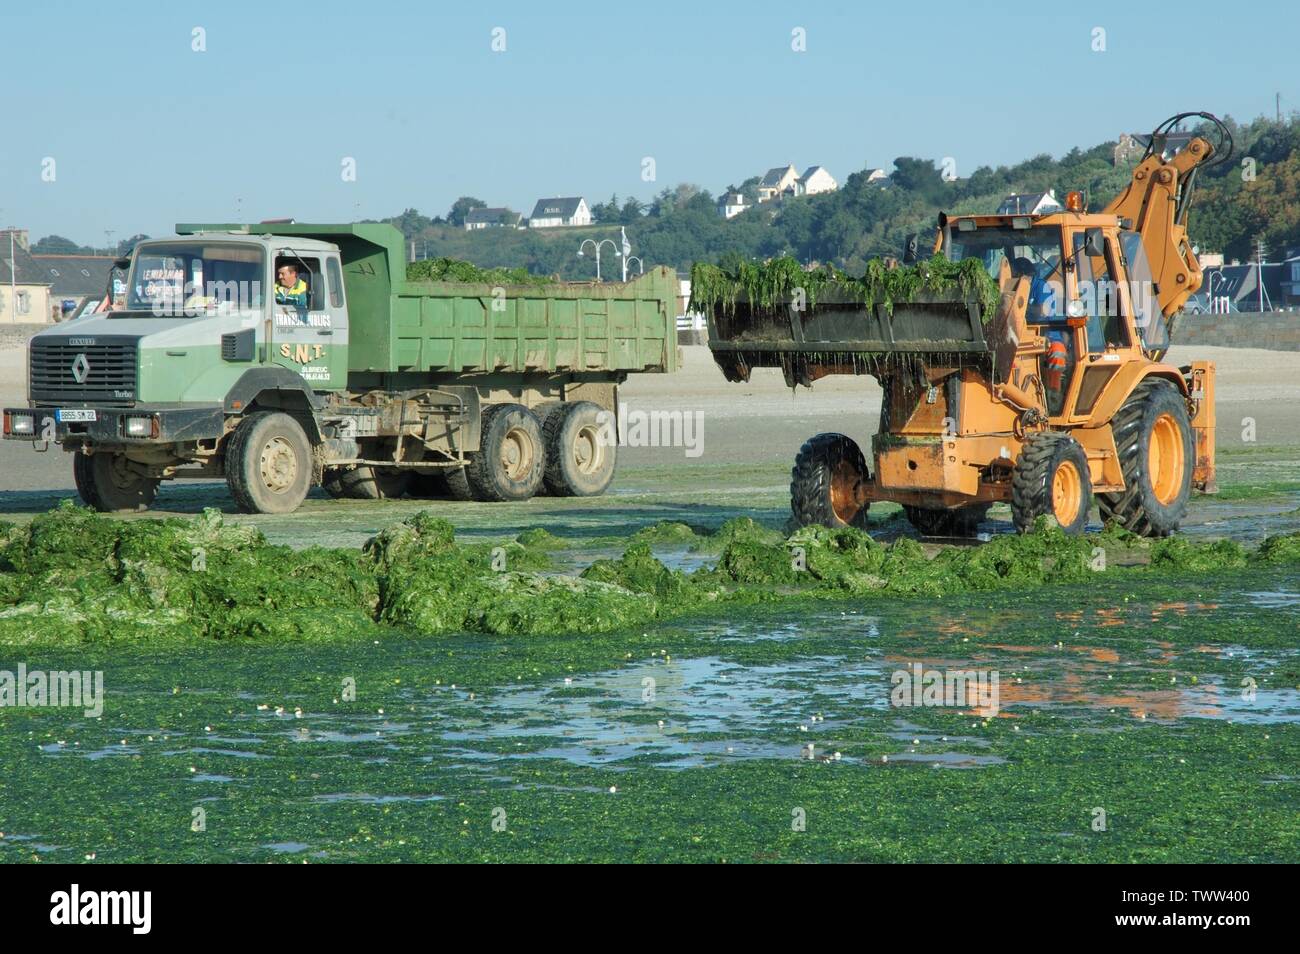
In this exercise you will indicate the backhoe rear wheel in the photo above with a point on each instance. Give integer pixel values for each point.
(824, 483)
(1156, 455)
(510, 459)
(268, 463)
(947, 521)
(110, 484)
(1051, 478)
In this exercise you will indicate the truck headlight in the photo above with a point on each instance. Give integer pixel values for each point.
(139, 426)
(24, 424)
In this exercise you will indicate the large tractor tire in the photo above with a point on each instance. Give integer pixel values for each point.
(580, 458)
(1157, 456)
(370, 483)
(108, 483)
(332, 482)
(268, 463)
(1051, 478)
(824, 482)
(947, 521)
(510, 460)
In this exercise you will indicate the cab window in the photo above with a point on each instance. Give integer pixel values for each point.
(1100, 294)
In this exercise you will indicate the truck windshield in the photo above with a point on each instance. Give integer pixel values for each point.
(186, 279)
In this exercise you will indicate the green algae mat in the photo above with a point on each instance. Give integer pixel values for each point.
(683, 694)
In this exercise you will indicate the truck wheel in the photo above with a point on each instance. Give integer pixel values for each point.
(369, 483)
(332, 482)
(947, 521)
(824, 482)
(579, 457)
(429, 484)
(268, 463)
(1154, 439)
(108, 483)
(510, 459)
(1051, 478)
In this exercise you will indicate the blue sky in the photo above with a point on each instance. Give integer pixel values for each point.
(146, 132)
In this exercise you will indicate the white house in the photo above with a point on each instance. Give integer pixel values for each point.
(877, 175)
(732, 204)
(1030, 203)
(550, 213)
(814, 180)
(491, 219)
(776, 181)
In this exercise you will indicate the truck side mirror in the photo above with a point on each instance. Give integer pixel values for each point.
(1094, 243)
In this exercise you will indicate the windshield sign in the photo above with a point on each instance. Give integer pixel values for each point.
(187, 279)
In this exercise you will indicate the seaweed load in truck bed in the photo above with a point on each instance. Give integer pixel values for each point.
(455, 270)
(768, 288)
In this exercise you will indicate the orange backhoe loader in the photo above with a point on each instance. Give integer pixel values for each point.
(1060, 395)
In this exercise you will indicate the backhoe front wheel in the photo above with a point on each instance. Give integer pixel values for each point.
(825, 483)
(1052, 479)
(268, 463)
(110, 483)
(1156, 455)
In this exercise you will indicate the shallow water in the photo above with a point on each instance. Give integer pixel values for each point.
(265, 735)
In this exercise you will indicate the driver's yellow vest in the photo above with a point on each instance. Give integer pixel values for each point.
(297, 295)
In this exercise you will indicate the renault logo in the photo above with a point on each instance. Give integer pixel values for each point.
(80, 368)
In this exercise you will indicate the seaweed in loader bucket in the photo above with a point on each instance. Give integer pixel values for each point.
(1023, 363)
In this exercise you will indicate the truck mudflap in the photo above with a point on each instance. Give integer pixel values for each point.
(142, 424)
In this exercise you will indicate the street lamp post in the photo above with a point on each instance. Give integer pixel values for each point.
(596, 245)
(627, 262)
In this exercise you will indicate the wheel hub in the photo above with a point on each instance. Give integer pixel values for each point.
(1067, 493)
(1165, 459)
(517, 453)
(278, 465)
(587, 450)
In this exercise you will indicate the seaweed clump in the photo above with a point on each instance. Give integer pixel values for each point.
(456, 270)
(769, 287)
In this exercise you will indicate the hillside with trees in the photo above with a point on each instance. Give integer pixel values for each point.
(863, 219)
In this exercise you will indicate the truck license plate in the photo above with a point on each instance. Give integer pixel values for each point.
(75, 414)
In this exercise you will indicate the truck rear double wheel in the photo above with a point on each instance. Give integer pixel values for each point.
(580, 455)
(1051, 478)
(510, 460)
(367, 483)
(110, 484)
(268, 463)
(1156, 455)
(824, 483)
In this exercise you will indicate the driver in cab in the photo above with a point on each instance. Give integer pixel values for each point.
(290, 289)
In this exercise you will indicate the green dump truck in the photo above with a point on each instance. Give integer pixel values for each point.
(346, 375)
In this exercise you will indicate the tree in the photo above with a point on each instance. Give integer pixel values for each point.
(462, 207)
(57, 245)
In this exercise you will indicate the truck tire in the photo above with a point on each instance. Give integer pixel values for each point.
(107, 483)
(268, 463)
(1156, 455)
(947, 521)
(823, 483)
(429, 484)
(332, 482)
(579, 458)
(371, 483)
(1051, 478)
(510, 459)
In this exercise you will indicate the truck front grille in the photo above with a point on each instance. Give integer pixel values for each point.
(99, 369)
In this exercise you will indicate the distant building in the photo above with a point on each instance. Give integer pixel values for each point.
(492, 219)
(1030, 203)
(776, 181)
(877, 175)
(24, 288)
(815, 180)
(78, 283)
(553, 213)
(731, 204)
(1236, 287)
